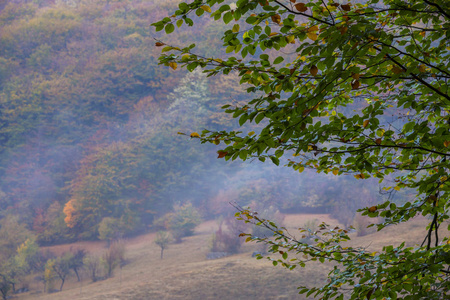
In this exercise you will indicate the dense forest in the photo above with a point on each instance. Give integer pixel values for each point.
(89, 124)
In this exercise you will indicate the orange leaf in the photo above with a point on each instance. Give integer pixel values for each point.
(446, 143)
(159, 44)
(355, 76)
(343, 30)
(355, 84)
(373, 209)
(301, 7)
(422, 69)
(195, 134)
(313, 70)
(378, 141)
(366, 122)
(360, 176)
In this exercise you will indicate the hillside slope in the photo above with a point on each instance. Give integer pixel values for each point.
(185, 273)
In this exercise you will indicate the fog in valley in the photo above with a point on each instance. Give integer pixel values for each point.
(104, 194)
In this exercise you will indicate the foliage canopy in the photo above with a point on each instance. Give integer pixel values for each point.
(364, 92)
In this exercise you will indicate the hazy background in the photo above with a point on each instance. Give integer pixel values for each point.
(88, 133)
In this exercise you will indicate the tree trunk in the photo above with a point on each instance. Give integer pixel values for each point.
(76, 272)
(162, 252)
(62, 283)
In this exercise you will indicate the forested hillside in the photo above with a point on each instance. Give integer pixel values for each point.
(89, 125)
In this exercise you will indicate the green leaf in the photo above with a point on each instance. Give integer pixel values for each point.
(169, 28)
(278, 60)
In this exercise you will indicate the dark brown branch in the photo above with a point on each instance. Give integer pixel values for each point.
(438, 7)
(302, 14)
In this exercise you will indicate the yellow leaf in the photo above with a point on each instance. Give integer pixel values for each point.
(355, 76)
(173, 65)
(312, 36)
(206, 8)
(235, 28)
(422, 68)
(313, 28)
(366, 122)
(335, 171)
(278, 87)
(422, 33)
(446, 143)
(291, 39)
(397, 188)
(273, 33)
(195, 134)
(301, 169)
(251, 133)
(444, 178)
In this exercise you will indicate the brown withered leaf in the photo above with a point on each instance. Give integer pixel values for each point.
(301, 7)
(276, 19)
(373, 209)
(221, 153)
(345, 7)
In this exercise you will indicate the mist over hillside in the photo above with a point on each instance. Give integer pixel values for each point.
(90, 123)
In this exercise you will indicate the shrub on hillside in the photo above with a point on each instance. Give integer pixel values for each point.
(181, 222)
(113, 257)
(361, 223)
(226, 238)
(93, 266)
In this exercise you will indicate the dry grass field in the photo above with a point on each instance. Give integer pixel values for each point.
(185, 273)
